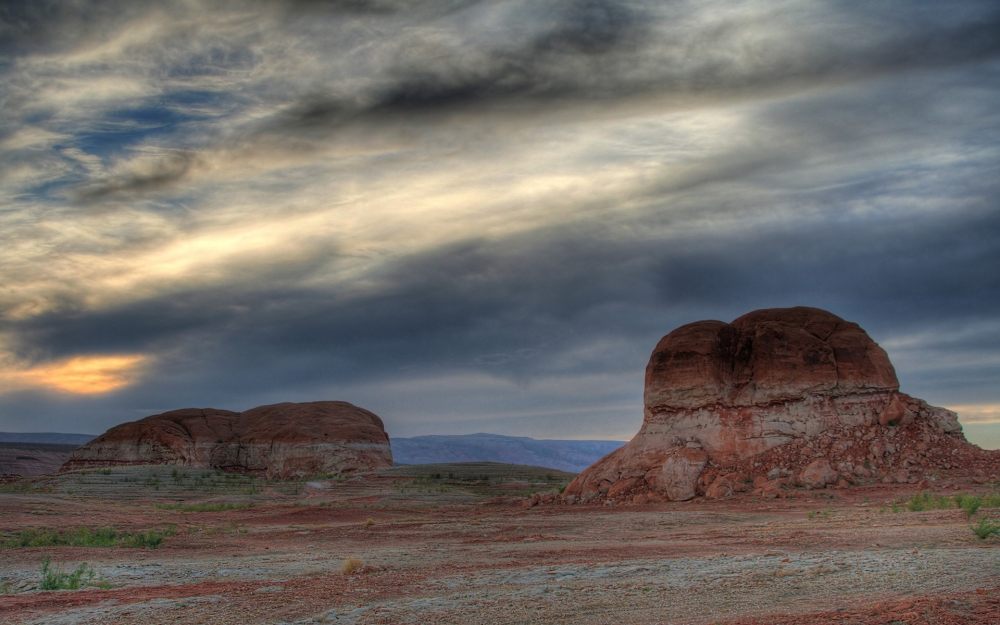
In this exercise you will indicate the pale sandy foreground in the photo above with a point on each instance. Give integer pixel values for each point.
(451, 545)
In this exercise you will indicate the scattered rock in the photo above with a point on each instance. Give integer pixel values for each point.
(818, 474)
(726, 486)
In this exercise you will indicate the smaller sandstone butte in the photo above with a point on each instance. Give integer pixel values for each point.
(779, 397)
(277, 441)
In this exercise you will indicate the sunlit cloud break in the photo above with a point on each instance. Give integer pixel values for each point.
(80, 375)
(982, 413)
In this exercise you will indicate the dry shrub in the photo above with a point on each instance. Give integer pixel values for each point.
(351, 565)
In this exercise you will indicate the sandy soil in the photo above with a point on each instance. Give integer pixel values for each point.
(446, 554)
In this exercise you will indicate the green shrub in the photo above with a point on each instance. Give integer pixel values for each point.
(986, 528)
(969, 503)
(927, 501)
(57, 579)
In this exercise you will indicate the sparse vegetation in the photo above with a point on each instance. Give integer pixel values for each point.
(969, 503)
(54, 578)
(205, 506)
(23, 486)
(351, 565)
(928, 501)
(488, 479)
(86, 537)
(986, 528)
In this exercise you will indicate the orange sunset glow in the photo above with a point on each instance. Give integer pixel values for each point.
(82, 375)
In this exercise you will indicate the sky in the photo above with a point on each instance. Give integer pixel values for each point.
(481, 216)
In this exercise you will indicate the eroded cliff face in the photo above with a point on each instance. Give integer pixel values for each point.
(276, 441)
(760, 399)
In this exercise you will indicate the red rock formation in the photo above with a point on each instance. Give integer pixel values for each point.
(775, 392)
(277, 441)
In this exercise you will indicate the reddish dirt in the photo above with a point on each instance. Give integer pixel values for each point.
(830, 556)
(979, 606)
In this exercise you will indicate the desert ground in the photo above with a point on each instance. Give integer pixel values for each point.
(464, 543)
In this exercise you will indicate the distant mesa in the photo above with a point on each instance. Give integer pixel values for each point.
(276, 441)
(778, 398)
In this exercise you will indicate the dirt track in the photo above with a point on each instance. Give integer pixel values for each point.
(448, 555)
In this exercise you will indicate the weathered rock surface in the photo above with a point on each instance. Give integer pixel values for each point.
(276, 441)
(818, 474)
(776, 394)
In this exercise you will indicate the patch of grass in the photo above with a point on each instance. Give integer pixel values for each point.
(986, 528)
(229, 529)
(86, 537)
(991, 500)
(928, 501)
(205, 506)
(483, 479)
(821, 514)
(23, 486)
(150, 539)
(351, 565)
(969, 503)
(326, 476)
(54, 578)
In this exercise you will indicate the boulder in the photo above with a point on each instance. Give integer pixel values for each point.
(728, 485)
(677, 477)
(277, 441)
(818, 474)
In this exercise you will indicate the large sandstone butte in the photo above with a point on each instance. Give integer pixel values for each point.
(779, 397)
(276, 441)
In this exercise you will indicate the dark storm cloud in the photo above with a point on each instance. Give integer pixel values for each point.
(550, 291)
(444, 81)
(476, 306)
(29, 26)
(590, 51)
